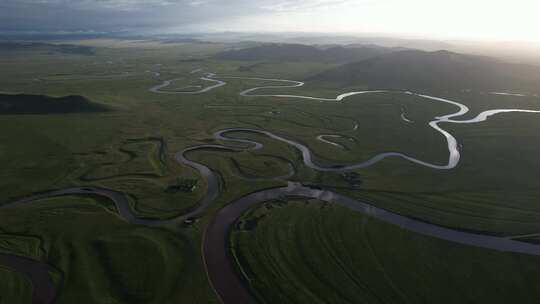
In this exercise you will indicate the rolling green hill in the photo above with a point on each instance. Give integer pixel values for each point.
(419, 70)
(41, 104)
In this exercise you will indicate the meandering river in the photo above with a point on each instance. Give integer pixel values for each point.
(220, 269)
(230, 287)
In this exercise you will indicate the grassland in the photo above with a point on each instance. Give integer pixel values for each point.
(14, 287)
(131, 149)
(103, 257)
(311, 252)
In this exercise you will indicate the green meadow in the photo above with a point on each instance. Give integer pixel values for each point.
(288, 253)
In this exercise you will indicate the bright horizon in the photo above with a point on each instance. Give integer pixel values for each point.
(460, 19)
(482, 20)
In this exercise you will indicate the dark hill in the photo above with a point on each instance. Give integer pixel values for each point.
(419, 70)
(41, 104)
(303, 53)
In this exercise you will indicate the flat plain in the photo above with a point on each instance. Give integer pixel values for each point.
(331, 254)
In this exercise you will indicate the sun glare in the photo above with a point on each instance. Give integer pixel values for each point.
(459, 19)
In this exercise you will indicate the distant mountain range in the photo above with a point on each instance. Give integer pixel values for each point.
(46, 47)
(305, 53)
(420, 70)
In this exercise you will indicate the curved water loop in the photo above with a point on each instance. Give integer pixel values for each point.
(208, 78)
(325, 138)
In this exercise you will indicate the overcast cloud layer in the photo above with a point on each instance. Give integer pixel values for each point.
(119, 15)
(486, 19)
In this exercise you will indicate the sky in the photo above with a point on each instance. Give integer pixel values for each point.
(456, 19)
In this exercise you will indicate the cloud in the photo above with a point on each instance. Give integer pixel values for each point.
(458, 18)
(102, 15)
(97, 5)
(55, 15)
(295, 5)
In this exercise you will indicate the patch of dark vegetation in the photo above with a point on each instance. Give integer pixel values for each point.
(245, 68)
(183, 184)
(352, 178)
(47, 48)
(249, 223)
(249, 68)
(41, 104)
